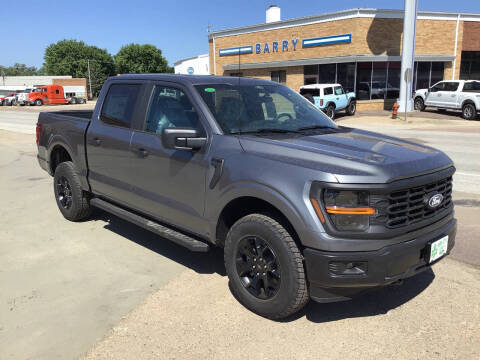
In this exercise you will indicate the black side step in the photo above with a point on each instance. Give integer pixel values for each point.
(170, 234)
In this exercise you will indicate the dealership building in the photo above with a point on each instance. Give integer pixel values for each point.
(358, 48)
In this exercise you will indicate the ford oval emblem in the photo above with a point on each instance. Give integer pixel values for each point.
(434, 200)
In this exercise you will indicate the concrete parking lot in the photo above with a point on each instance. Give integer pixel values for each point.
(65, 287)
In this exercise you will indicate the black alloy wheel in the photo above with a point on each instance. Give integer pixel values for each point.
(64, 192)
(257, 267)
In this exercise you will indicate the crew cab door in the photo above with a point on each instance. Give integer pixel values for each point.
(434, 96)
(340, 98)
(108, 142)
(169, 185)
(449, 95)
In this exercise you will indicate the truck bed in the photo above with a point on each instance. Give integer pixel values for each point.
(85, 114)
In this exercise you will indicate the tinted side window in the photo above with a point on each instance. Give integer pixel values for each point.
(472, 86)
(438, 87)
(451, 86)
(170, 107)
(328, 91)
(119, 104)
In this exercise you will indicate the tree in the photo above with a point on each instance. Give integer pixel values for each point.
(136, 58)
(18, 70)
(72, 57)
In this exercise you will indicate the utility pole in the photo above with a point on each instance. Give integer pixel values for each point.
(89, 79)
(408, 56)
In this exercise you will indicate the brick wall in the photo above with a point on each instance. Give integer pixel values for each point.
(369, 36)
(471, 40)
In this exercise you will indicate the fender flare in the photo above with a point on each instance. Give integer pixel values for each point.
(262, 192)
(469, 101)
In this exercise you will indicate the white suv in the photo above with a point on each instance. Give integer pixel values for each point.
(459, 95)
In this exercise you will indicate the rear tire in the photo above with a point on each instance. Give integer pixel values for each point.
(265, 267)
(351, 108)
(419, 104)
(469, 112)
(72, 201)
(73, 101)
(330, 111)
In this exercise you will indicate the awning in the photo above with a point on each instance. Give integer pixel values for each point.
(334, 60)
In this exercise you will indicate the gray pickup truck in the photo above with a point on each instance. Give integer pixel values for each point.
(302, 207)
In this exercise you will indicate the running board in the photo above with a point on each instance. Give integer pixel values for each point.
(170, 234)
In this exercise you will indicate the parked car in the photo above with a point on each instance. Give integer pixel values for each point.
(457, 95)
(52, 94)
(2, 98)
(330, 98)
(22, 97)
(302, 208)
(10, 100)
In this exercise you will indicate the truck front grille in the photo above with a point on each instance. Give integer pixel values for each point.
(407, 206)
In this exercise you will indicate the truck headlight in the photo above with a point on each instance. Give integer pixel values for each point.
(346, 209)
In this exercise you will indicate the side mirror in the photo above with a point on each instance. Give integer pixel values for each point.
(182, 139)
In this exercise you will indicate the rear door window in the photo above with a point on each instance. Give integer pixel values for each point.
(473, 86)
(119, 104)
(328, 91)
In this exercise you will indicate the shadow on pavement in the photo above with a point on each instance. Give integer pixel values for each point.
(376, 302)
(202, 263)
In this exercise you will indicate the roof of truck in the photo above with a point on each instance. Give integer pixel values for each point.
(193, 79)
(318, 86)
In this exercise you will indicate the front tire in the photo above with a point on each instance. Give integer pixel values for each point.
(469, 112)
(72, 201)
(265, 267)
(419, 104)
(351, 108)
(38, 102)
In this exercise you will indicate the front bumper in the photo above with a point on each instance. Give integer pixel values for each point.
(382, 267)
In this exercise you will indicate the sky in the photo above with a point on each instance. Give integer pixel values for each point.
(178, 28)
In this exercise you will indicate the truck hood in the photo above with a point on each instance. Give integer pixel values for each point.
(351, 155)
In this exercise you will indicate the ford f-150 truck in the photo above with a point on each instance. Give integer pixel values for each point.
(457, 95)
(303, 208)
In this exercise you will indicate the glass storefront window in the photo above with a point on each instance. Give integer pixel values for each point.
(279, 76)
(423, 75)
(393, 81)
(346, 76)
(437, 72)
(364, 78)
(326, 73)
(470, 66)
(379, 80)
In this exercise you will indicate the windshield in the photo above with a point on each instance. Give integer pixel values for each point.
(255, 108)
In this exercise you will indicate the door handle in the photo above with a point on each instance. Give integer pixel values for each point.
(141, 152)
(97, 142)
(453, 95)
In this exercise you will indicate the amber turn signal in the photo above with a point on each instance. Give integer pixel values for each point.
(317, 209)
(338, 210)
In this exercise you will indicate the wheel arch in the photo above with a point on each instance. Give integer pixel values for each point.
(59, 153)
(468, 101)
(245, 205)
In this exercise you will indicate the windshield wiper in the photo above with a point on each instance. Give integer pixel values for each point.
(314, 127)
(266, 130)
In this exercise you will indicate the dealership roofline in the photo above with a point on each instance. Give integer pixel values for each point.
(341, 15)
(335, 59)
(189, 58)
